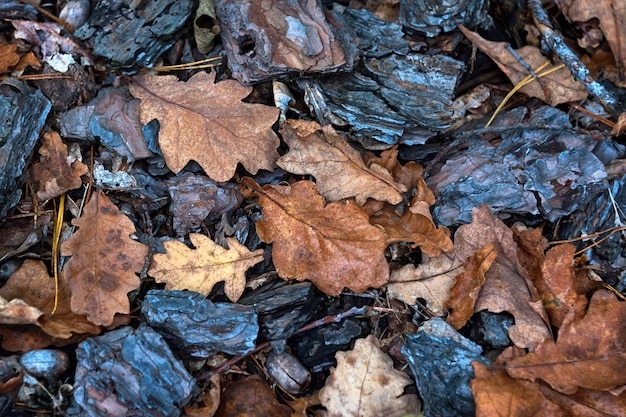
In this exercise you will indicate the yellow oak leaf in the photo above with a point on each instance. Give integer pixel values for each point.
(201, 268)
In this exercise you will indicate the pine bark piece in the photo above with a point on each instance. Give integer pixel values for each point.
(197, 328)
(22, 116)
(134, 33)
(431, 17)
(272, 38)
(130, 371)
(104, 260)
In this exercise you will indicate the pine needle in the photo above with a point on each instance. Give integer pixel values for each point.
(205, 63)
(527, 80)
(58, 226)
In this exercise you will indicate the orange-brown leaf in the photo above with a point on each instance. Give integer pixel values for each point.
(338, 168)
(467, 286)
(32, 284)
(507, 285)
(333, 245)
(104, 261)
(416, 226)
(251, 397)
(201, 268)
(54, 174)
(8, 56)
(407, 174)
(589, 351)
(206, 122)
(497, 394)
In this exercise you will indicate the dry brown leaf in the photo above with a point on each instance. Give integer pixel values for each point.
(431, 280)
(560, 85)
(415, 225)
(333, 245)
(32, 283)
(210, 399)
(552, 273)
(201, 268)
(507, 285)
(611, 15)
(251, 397)
(497, 394)
(338, 168)
(8, 56)
(16, 311)
(55, 173)
(365, 384)
(104, 260)
(207, 122)
(408, 174)
(589, 351)
(465, 291)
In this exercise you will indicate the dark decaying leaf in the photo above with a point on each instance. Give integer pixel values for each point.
(113, 118)
(196, 198)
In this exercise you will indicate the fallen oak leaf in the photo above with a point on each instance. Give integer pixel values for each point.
(507, 286)
(589, 351)
(332, 245)
(206, 122)
(104, 260)
(468, 284)
(338, 168)
(415, 225)
(55, 173)
(201, 268)
(32, 284)
(431, 280)
(365, 384)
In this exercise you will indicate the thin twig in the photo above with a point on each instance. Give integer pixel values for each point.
(354, 311)
(555, 44)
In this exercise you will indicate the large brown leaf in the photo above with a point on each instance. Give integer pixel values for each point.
(104, 260)
(333, 245)
(207, 122)
(338, 168)
(201, 268)
(589, 351)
